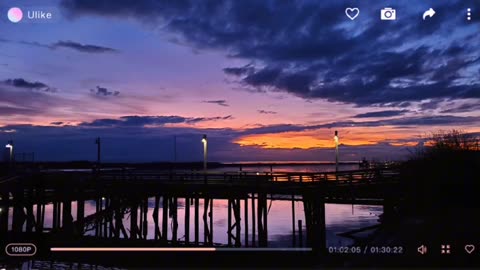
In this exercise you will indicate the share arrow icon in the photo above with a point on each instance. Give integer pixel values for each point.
(429, 13)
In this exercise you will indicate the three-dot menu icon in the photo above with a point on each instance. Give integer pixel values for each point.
(469, 14)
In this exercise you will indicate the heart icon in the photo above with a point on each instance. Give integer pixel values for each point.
(469, 248)
(352, 13)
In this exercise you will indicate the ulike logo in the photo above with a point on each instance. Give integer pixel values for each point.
(15, 14)
(33, 14)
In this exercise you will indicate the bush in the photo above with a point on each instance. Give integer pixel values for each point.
(442, 174)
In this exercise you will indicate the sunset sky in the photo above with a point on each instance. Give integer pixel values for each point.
(265, 80)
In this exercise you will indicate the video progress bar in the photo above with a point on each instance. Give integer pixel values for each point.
(158, 249)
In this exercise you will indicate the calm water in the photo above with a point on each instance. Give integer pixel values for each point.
(339, 218)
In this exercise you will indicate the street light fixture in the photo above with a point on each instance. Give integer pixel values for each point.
(10, 147)
(204, 141)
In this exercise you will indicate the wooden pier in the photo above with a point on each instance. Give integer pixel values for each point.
(122, 194)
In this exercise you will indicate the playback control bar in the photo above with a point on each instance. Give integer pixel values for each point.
(174, 249)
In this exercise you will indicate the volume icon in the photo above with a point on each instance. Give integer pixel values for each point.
(422, 249)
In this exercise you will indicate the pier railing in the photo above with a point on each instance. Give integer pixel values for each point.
(353, 176)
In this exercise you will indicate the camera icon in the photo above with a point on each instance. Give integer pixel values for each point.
(388, 14)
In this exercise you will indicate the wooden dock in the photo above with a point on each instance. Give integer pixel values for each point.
(121, 194)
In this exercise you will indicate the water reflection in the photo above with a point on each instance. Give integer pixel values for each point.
(339, 218)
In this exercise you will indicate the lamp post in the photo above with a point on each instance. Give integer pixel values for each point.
(10, 147)
(98, 143)
(175, 148)
(204, 141)
(335, 138)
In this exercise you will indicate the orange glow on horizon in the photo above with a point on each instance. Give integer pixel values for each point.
(325, 139)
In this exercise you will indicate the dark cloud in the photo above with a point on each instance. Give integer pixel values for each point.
(28, 98)
(36, 44)
(263, 77)
(137, 121)
(221, 102)
(443, 120)
(239, 70)
(431, 104)
(104, 92)
(389, 113)
(266, 112)
(141, 121)
(387, 78)
(31, 98)
(304, 47)
(467, 107)
(22, 83)
(203, 119)
(56, 123)
(274, 77)
(86, 48)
